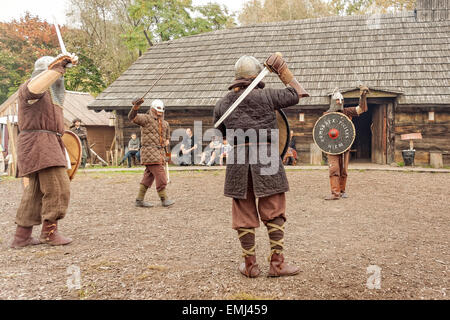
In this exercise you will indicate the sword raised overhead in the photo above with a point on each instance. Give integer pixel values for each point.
(61, 42)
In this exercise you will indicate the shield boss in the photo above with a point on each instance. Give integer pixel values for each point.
(334, 133)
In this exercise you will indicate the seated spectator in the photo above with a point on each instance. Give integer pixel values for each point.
(133, 150)
(225, 150)
(211, 153)
(188, 146)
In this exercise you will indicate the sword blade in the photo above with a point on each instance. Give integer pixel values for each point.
(61, 42)
(255, 82)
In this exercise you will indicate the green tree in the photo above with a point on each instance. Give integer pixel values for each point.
(100, 23)
(85, 77)
(162, 20)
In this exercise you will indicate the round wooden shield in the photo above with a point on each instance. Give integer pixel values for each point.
(334, 133)
(284, 132)
(74, 149)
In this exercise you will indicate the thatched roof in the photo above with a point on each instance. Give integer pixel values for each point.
(393, 52)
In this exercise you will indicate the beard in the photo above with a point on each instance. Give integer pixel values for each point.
(334, 107)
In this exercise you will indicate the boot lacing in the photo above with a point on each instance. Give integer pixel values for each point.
(51, 231)
(251, 251)
(275, 243)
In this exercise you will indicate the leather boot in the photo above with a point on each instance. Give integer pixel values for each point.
(140, 203)
(335, 188)
(165, 201)
(279, 268)
(23, 238)
(332, 197)
(51, 236)
(143, 204)
(250, 268)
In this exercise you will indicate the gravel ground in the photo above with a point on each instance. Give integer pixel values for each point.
(399, 222)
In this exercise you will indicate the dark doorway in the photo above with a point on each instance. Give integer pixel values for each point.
(361, 150)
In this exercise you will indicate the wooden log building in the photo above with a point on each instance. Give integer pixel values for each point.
(404, 59)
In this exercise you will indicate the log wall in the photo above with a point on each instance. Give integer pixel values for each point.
(435, 134)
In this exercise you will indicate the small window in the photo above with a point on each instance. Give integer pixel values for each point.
(301, 117)
(431, 116)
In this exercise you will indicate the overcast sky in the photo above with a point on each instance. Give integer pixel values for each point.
(14, 9)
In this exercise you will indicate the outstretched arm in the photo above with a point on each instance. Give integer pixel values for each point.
(278, 65)
(363, 91)
(134, 110)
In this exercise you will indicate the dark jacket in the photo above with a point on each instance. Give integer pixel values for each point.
(81, 132)
(256, 111)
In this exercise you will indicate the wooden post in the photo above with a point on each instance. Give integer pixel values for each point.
(436, 159)
(390, 135)
(12, 147)
(315, 154)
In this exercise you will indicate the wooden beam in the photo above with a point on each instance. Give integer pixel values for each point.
(372, 94)
(12, 149)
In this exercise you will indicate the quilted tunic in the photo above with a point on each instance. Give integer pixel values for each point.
(154, 133)
(256, 111)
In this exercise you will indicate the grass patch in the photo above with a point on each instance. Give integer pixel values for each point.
(87, 292)
(7, 178)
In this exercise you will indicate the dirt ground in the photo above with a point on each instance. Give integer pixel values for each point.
(396, 221)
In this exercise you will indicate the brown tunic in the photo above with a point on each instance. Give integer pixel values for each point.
(154, 133)
(256, 111)
(38, 150)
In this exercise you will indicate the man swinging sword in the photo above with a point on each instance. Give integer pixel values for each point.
(155, 135)
(245, 182)
(41, 153)
(338, 164)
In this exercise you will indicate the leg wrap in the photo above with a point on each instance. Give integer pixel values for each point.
(142, 192)
(247, 239)
(275, 229)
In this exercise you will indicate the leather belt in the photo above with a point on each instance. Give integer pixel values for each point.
(46, 131)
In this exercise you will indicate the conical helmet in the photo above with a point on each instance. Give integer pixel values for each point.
(247, 67)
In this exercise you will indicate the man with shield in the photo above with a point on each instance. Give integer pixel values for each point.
(246, 182)
(338, 163)
(81, 132)
(41, 152)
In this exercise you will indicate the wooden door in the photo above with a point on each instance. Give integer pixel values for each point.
(379, 134)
